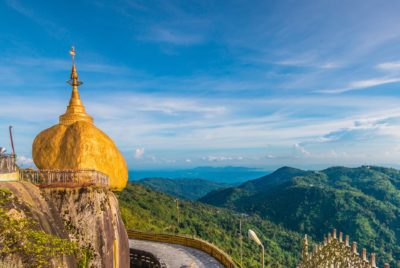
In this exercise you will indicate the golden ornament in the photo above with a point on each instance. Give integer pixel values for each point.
(76, 143)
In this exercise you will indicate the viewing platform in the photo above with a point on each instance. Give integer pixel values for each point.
(8, 168)
(9, 171)
(65, 178)
(180, 251)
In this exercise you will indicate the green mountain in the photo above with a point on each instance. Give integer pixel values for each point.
(183, 188)
(363, 202)
(151, 211)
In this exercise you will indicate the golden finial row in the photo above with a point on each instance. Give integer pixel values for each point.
(336, 249)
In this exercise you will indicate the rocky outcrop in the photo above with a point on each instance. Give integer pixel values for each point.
(31, 203)
(87, 216)
(80, 145)
(92, 218)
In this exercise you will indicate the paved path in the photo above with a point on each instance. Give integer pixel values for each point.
(176, 256)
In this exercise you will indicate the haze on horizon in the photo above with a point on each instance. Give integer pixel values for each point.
(180, 84)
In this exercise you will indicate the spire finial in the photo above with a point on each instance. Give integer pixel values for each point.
(72, 53)
(305, 248)
(74, 74)
(75, 110)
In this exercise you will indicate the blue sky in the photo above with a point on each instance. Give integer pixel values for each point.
(196, 83)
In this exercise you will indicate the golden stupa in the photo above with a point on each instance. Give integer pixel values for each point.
(76, 143)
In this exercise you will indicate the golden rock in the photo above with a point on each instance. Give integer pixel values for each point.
(76, 143)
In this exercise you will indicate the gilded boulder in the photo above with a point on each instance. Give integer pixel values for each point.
(76, 143)
(80, 145)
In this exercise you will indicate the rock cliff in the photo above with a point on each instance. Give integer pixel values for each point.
(92, 218)
(80, 145)
(88, 217)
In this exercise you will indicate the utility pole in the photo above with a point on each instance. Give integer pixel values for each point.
(177, 211)
(241, 241)
(12, 141)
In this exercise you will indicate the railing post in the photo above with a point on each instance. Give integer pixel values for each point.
(65, 178)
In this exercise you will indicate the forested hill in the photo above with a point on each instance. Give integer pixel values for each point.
(147, 210)
(183, 188)
(363, 202)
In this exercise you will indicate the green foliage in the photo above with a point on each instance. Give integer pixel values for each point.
(183, 188)
(362, 202)
(147, 210)
(22, 236)
(5, 193)
(84, 257)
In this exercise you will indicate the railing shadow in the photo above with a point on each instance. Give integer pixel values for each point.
(144, 259)
(192, 242)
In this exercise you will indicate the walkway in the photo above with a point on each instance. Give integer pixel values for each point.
(176, 256)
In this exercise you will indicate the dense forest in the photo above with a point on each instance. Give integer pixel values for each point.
(363, 202)
(148, 210)
(183, 188)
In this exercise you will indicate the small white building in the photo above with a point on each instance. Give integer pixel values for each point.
(8, 166)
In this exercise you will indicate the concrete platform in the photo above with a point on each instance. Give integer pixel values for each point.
(9, 176)
(176, 256)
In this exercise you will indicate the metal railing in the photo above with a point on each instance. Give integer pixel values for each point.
(8, 163)
(65, 178)
(11, 262)
(192, 242)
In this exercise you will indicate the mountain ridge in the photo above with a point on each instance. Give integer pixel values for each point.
(362, 202)
(226, 174)
(182, 188)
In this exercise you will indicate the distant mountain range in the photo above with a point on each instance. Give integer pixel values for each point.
(363, 202)
(183, 188)
(228, 175)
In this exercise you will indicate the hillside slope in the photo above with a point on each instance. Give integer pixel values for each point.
(183, 188)
(147, 210)
(362, 202)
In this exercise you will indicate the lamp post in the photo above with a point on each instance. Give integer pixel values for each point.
(254, 237)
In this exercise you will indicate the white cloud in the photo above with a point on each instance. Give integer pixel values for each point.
(362, 128)
(175, 106)
(306, 62)
(172, 36)
(372, 82)
(390, 66)
(212, 158)
(139, 152)
(24, 161)
(299, 149)
(361, 84)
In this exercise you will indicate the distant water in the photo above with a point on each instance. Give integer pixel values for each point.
(216, 174)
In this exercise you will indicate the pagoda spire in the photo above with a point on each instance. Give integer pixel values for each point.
(305, 249)
(75, 110)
